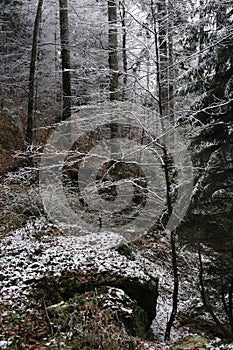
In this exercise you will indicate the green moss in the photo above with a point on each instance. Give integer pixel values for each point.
(58, 309)
(190, 342)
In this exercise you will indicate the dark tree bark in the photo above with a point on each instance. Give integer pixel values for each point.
(31, 97)
(201, 31)
(65, 57)
(162, 20)
(167, 171)
(175, 287)
(113, 46)
(158, 69)
(170, 68)
(124, 52)
(205, 299)
(165, 102)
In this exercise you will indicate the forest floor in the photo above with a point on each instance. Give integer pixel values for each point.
(37, 254)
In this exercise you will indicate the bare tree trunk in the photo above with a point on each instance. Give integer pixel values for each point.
(175, 288)
(230, 306)
(158, 71)
(124, 52)
(170, 68)
(162, 21)
(29, 129)
(162, 15)
(65, 56)
(113, 67)
(167, 170)
(113, 46)
(164, 90)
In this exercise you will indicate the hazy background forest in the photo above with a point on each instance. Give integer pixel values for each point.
(116, 162)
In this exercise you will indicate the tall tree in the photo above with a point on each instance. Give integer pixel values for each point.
(113, 50)
(65, 57)
(124, 48)
(163, 48)
(29, 129)
(162, 25)
(211, 210)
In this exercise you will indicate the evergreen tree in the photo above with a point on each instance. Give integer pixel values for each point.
(212, 120)
(209, 219)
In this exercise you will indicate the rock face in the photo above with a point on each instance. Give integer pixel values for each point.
(141, 294)
(81, 287)
(122, 310)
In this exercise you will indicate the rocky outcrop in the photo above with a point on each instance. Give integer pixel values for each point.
(143, 294)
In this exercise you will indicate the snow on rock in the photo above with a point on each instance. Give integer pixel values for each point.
(24, 258)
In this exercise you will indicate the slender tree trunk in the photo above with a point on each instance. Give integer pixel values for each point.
(167, 170)
(162, 22)
(170, 68)
(230, 306)
(201, 31)
(31, 97)
(158, 79)
(113, 46)
(158, 72)
(164, 90)
(175, 288)
(113, 68)
(171, 83)
(65, 57)
(124, 52)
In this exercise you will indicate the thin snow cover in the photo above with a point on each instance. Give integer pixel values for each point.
(24, 258)
(162, 268)
(3, 344)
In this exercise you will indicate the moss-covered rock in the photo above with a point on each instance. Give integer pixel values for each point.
(192, 342)
(143, 294)
(108, 302)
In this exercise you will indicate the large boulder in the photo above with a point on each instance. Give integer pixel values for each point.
(142, 294)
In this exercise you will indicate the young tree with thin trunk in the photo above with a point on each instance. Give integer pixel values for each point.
(163, 50)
